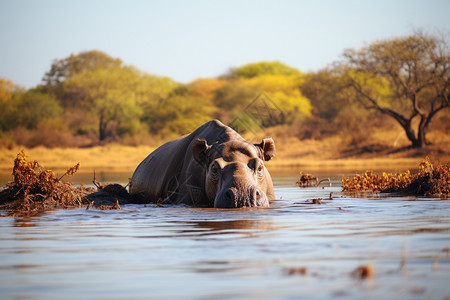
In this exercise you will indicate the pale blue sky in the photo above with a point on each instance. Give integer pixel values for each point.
(186, 40)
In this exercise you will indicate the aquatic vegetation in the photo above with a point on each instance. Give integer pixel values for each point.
(316, 200)
(35, 189)
(106, 207)
(306, 180)
(430, 180)
(363, 272)
(297, 271)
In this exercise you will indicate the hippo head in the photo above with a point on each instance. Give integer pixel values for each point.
(235, 175)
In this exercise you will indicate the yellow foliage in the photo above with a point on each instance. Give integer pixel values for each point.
(280, 93)
(6, 89)
(205, 88)
(294, 102)
(374, 85)
(180, 114)
(273, 83)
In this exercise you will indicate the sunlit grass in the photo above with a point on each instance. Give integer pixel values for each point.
(305, 155)
(109, 158)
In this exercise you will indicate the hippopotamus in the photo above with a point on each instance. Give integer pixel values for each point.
(211, 167)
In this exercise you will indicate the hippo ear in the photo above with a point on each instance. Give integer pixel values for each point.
(200, 149)
(266, 148)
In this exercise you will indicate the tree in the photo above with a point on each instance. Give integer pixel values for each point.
(109, 93)
(28, 109)
(62, 69)
(325, 91)
(403, 78)
(263, 68)
(258, 95)
(119, 97)
(284, 95)
(6, 89)
(205, 88)
(180, 114)
(184, 109)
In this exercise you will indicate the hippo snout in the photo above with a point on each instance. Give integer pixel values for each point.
(234, 198)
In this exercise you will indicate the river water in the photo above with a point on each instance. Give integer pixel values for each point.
(295, 249)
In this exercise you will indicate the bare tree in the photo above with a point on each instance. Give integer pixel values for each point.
(403, 78)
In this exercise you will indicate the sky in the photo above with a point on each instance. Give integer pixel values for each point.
(187, 40)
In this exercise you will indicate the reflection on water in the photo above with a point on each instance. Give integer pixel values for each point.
(230, 225)
(191, 253)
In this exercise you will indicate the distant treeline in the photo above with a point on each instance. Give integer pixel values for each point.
(91, 98)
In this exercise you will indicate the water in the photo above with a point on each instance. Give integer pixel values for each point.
(176, 252)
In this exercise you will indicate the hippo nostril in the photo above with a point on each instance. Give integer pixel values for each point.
(257, 194)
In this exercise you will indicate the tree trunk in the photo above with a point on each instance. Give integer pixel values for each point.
(416, 141)
(420, 140)
(422, 130)
(102, 128)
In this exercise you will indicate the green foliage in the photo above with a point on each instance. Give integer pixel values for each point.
(28, 109)
(63, 69)
(325, 91)
(244, 121)
(115, 94)
(281, 95)
(234, 96)
(264, 68)
(98, 98)
(180, 114)
(109, 94)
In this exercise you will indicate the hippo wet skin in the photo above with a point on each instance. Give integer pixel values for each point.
(211, 167)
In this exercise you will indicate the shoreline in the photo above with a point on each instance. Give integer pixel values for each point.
(116, 158)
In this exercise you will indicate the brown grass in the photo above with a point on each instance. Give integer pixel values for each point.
(384, 151)
(110, 158)
(35, 189)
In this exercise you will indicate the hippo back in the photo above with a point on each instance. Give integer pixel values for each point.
(163, 174)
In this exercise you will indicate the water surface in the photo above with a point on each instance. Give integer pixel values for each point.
(149, 252)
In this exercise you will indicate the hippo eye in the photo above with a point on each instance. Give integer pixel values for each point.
(260, 172)
(214, 172)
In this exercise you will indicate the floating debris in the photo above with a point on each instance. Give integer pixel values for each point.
(297, 271)
(431, 180)
(439, 256)
(115, 206)
(316, 201)
(306, 180)
(363, 272)
(35, 189)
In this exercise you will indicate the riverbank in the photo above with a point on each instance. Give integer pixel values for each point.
(307, 156)
(113, 158)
